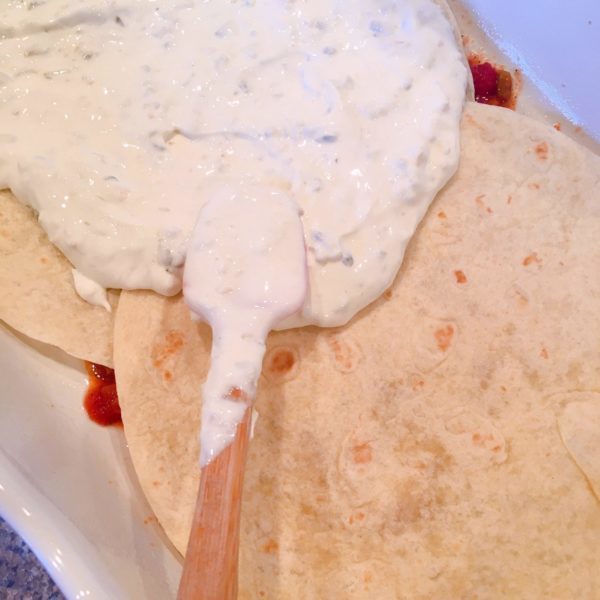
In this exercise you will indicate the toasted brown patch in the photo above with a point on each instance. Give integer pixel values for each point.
(531, 259)
(479, 201)
(270, 547)
(460, 276)
(281, 363)
(541, 150)
(346, 353)
(173, 342)
(362, 453)
(443, 337)
(417, 384)
(356, 517)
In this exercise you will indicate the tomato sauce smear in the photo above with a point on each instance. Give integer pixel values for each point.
(101, 401)
(493, 85)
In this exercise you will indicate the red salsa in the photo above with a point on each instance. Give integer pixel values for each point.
(492, 84)
(101, 401)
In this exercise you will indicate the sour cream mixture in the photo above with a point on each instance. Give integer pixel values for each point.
(120, 119)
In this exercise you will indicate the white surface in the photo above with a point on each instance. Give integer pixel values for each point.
(67, 485)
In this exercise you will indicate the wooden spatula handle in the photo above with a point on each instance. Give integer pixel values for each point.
(211, 562)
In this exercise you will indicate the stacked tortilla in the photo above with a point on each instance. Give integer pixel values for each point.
(444, 444)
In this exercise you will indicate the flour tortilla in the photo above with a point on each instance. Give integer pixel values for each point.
(414, 453)
(38, 297)
(579, 426)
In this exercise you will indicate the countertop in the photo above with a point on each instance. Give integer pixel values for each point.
(22, 577)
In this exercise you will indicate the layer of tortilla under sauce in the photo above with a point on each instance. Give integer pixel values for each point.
(101, 401)
(493, 85)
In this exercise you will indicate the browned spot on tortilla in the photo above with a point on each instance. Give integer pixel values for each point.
(362, 453)
(167, 375)
(156, 483)
(418, 384)
(460, 276)
(544, 353)
(173, 342)
(357, 516)
(307, 509)
(387, 294)
(541, 150)
(346, 353)
(279, 362)
(150, 519)
(531, 259)
(509, 200)
(441, 215)
(479, 201)
(556, 126)
(488, 441)
(44, 260)
(367, 577)
(270, 547)
(443, 337)
(534, 186)
(282, 360)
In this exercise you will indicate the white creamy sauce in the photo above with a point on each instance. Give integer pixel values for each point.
(90, 290)
(121, 119)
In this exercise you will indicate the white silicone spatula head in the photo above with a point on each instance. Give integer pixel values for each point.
(245, 271)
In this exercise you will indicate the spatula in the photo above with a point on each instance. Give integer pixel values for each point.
(245, 271)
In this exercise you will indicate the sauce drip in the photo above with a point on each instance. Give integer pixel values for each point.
(101, 401)
(493, 85)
